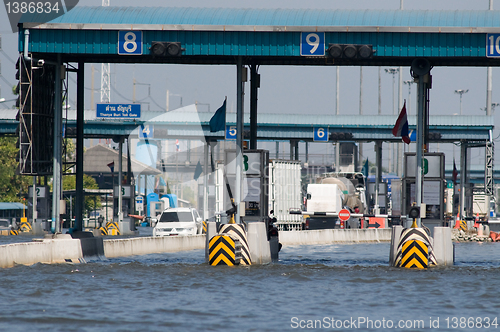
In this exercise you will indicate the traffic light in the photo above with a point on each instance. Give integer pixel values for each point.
(434, 136)
(414, 212)
(162, 49)
(350, 51)
(340, 136)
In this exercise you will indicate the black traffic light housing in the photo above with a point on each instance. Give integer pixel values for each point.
(350, 51)
(414, 212)
(166, 49)
(340, 136)
(434, 136)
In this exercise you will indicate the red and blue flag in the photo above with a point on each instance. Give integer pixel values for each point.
(401, 127)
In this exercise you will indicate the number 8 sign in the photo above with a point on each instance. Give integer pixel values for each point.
(130, 42)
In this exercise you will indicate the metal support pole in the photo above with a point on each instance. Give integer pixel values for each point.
(205, 180)
(120, 175)
(307, 152)
(337, 93)
(378, 175)
(421, 86)
(254, 89)
(463, 177)
(296, 147)
(57, 177)
(239, 135)
(34, 200)
(130, 179)
(488, 171)
(80, 95)
(360, 145)
(399, 163)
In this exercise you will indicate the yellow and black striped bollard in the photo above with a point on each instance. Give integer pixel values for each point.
(238, 231)
(224, 250)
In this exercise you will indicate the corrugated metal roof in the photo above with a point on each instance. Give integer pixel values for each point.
(275, 17)
(12, 206)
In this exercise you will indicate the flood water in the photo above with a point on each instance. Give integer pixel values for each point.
(347, 287)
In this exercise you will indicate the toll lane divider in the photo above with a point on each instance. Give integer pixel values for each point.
(224, 250)
(415, 249)
(6, 232)
(239, 232)
(59, 250)
(47, 251)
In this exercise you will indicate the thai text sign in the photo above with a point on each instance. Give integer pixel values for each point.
(127, 111)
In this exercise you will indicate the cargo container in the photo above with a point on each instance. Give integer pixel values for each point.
(285, 193)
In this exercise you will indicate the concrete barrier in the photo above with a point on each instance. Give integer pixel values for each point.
(260, 251)
(62, 248)
(327, 236)
(152, 245)
(47, 250)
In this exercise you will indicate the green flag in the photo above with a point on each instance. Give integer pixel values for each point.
(218, 120)
(198, 171)
(365, 168)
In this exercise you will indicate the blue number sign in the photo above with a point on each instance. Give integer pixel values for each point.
(146, 131)
(312, 43)
(320, 134)
(493, 45)
(130, 42)
(231, 132)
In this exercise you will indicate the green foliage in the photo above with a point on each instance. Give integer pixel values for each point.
(189, 195)
(69, 183)
(12, 186)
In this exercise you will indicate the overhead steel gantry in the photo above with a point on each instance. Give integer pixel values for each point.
(252, 37)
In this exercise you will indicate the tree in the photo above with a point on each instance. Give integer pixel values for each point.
(12, 185)
(69, 183)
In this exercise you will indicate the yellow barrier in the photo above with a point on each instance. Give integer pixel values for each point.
(222, 251)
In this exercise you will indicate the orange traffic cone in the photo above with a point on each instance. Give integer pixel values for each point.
(476, 221)
(457, 222)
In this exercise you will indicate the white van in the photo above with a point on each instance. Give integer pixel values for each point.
(178, 221)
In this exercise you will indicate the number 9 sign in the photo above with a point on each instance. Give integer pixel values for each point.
(312, 44)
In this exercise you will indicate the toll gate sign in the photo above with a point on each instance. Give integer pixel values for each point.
(122, 111)
(312, 44)
(493, 45)
(129, 42)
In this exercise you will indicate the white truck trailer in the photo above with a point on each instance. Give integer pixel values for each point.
(284, 192)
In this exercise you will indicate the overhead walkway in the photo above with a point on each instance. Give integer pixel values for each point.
(186, 123)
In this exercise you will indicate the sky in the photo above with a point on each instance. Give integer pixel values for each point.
(284, 89)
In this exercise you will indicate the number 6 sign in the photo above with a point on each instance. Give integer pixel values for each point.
(320, 134)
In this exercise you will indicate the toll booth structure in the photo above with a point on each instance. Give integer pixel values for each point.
(433, 189)
(240, 37)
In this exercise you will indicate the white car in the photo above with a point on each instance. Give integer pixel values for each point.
(178, 221)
